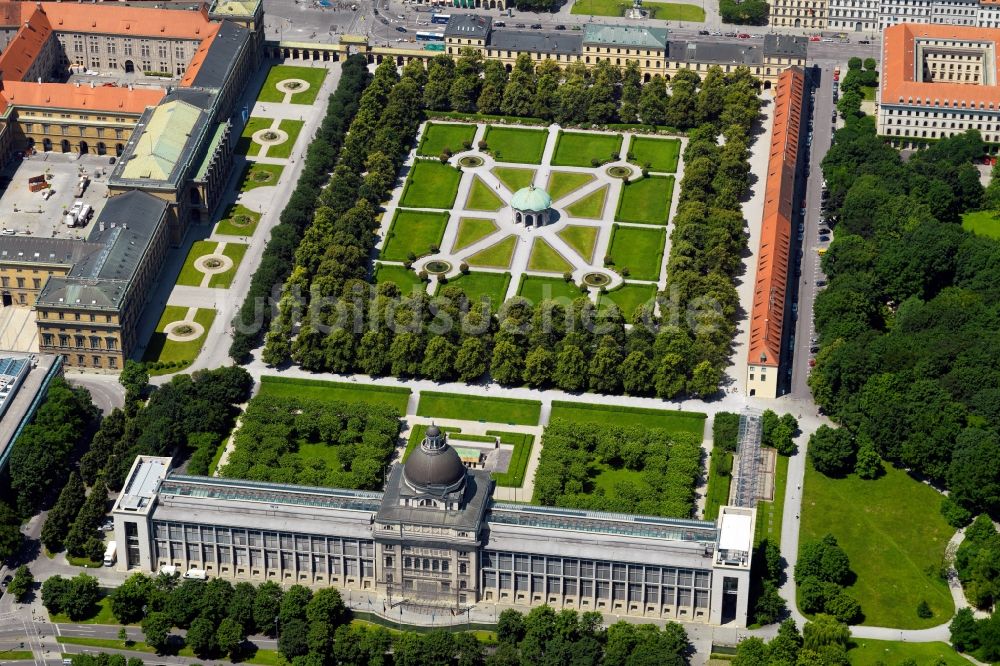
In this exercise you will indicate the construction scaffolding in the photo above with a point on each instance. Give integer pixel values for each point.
(746, 470)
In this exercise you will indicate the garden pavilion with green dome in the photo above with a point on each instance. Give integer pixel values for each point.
(532, 206)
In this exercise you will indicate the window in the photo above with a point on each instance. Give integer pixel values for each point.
(110, 343)
(79, 342)
(63, 340)
(20, 283)
(47, 339)
(111, 48)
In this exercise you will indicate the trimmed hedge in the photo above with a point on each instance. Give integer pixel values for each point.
(279, 255)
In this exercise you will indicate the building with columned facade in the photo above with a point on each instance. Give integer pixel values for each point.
(436, 540)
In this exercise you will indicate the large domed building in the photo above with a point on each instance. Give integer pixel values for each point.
(532, 206)
(434, 467)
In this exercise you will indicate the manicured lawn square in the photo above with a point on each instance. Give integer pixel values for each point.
(314, 76)
(316, 389)
(895, 537)
(590, 207)
(477, 285)
(181, 354)
(562, 183)
(402, 277)
(865, 651)
(638, 249)
(516, 144)
(547, 259)
(413, 231)
(536, 289)
(514, 178)
(238, 220)
(581, 238)
(246, 145)
(666, 419)
(234, 251)
(431, 185)
(284, 150)
(479, 408)
(471, 230)
(497, 255)
(663, 11)
(189, 275)
(438, 136)
(660, 154)
(260, 175)
(630, 296)
(481, 197)
(646, 201)
(580, 149)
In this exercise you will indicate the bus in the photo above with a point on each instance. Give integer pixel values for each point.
(430, 37)
(440, 18)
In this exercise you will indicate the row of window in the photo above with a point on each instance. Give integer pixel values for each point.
(96, 361)
(79, 341)
(110, 47)
(257, 539)
(634, 593)
(36, 283)
(265, 559)
(64, 130)
(596, 569)
(76, 316)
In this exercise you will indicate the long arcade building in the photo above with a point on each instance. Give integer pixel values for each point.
(436, 539)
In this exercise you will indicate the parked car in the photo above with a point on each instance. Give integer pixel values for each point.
(520, 25)
(730, 34)
(400, 28)
(815, 38)
(6, 580)
(743, 35)
(536, 26)
(820, 283)
(717, 33)
(499, 24)
(824, 230)
(558, 27)
(814, 349)
(704, 32)
(812, 361)
(864, 41)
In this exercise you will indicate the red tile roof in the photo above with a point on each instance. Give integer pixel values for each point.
(27, 44)
(899, 84)
(113, 18)
(771, 282)
(82, 98)
(200, 55)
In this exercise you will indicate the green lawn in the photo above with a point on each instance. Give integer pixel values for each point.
(472, 229)
(113, 643)
(769, 514)
(219, 450)
(646, 201)
(16, 655)
(664, 11)
(579, 149)
(260, 175)
(100, 613)
(180, 354)
(328, 454)
(438, 136)
(314, 75)
(245, 145)
(660, 154)
(514, 177)
(536, 289)
(562, 183)
(590, 207)
(477, 285)
(481, 197)
(868, 93)
(413, 232)
(192, 277)
(403, 277)
(640, 249)
(609, 477)
(523, 443)
(670, 420)
(478, 408)
(983, 223)
(896, 568)
(717, 493)
(238, 220)
(334, 391)
(630, 296)
(284, 150)
(581, 238)
(497, 255)
(431, 185)
(516, 144)
(865, 652)
(545, 258)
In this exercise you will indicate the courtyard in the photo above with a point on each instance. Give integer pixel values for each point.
(537, 212)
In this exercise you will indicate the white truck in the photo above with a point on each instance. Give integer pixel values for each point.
(111, 554)
(196, 574)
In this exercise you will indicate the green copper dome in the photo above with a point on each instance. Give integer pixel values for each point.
(533, 199)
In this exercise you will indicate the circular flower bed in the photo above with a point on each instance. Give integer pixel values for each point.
(471, 161)
(262, 176)
(212, 263)
(241, 220)
(619, 172)
(183, 330)
(269, 135)
(437, 267)
(293, 85)
(596, 279)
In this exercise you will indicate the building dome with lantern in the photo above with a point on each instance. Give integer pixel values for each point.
(532, 206)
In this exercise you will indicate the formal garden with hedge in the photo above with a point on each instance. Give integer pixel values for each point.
(332, 261)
